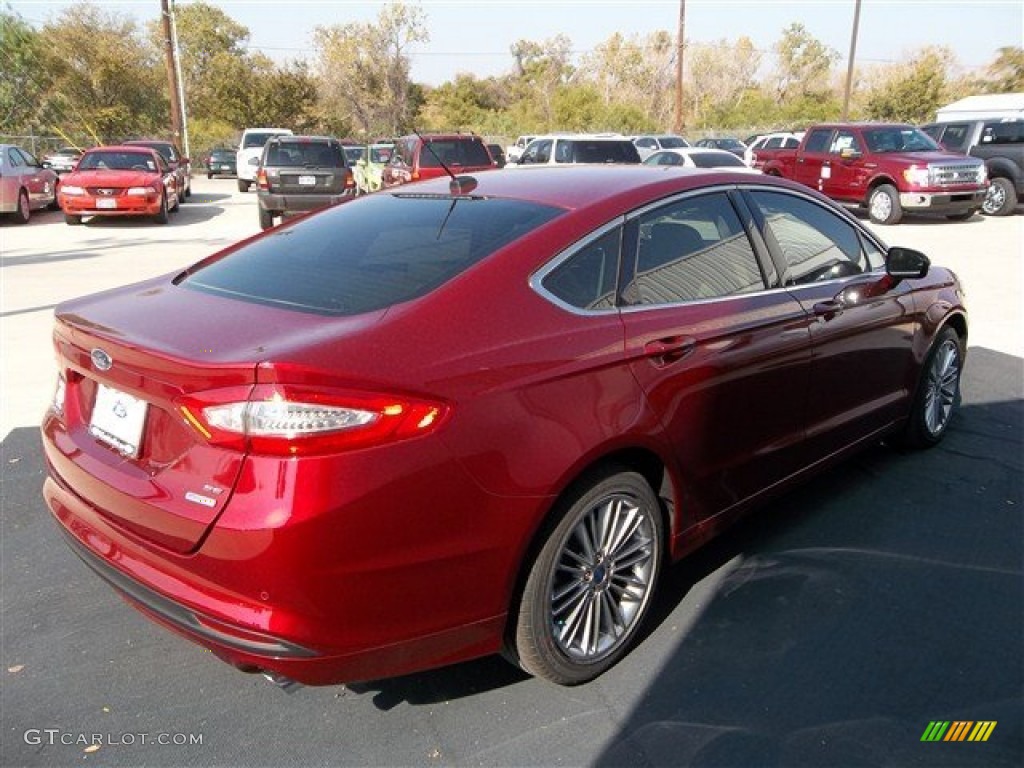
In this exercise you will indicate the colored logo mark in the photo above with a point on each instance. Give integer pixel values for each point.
(958, 730)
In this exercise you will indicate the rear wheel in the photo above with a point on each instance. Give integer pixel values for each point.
(591, 584)
(24, 211)
(243, 186)
(1001, 199)
(884, 205)
(266, 218)
(938, 392)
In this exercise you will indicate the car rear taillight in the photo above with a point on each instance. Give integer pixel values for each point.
(282, 420)
(350, 181)
(261, 179)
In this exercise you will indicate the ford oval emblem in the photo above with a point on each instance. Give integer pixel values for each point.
(101, 359)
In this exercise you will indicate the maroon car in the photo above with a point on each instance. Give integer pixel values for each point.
(458, 418)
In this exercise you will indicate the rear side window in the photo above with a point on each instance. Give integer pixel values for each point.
(818, 140)
(369, 254)
(453, 152)
(587, 278)
(716, 160)
(603, 152)
(1003, 133)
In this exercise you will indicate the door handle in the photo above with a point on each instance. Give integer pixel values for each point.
(670, 349)
(828, 309)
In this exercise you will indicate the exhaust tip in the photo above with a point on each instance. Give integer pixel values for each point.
(286, 684)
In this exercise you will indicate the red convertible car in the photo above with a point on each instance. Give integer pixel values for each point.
(119, 181)
(474, 415)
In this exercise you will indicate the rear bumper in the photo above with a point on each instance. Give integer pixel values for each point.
(943, 202)
(280, 203)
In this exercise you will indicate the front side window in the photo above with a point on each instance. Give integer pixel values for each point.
(844, 140)
(692, 250)
(815, 243)
(587, 278)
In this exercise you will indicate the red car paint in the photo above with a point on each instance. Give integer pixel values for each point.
(407, 551)
(111, 191)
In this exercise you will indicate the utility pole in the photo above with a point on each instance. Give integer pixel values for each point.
(680, 44)
(171, 59)
(181, 85)
(849, 66)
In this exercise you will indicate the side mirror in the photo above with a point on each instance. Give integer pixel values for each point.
(906, 263)
(849, 153)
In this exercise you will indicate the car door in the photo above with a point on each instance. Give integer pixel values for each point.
(723, 361)
(848, 179)
(862, 371)
(33, 176)
(811, 162)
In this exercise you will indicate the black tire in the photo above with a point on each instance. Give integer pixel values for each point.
(938, 392)
(177, 204)
(209, 175)
(23, 212)
(54, 205)
(1001, 199)
(188, 191)
(72, 220)
(266, 218)
(884, 205)
(163, 216)
(599, 563)
(243, 186)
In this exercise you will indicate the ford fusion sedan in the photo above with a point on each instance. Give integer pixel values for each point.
(119, 181)
(481, 415)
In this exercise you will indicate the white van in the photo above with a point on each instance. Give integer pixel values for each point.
(250, 148)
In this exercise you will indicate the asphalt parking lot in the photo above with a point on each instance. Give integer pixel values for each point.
(830, 628)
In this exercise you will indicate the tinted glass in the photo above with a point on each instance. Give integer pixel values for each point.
(898, 139)
(844, 140)
(954, 137)
(673, 142)
(816, 243)
(312, 154)
(584, 151)
(257, 139)
(454, 152)
(817, 141)
(716, 160)
(587, 278)
(1010, 132)
(369, 254)
(691, 250)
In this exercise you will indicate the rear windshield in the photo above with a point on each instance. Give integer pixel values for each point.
(312, 154)
(369, 254)
(454, 152)
(583, 151)
(256, 139)
(716, 160)
(673, 142)
(166, 150)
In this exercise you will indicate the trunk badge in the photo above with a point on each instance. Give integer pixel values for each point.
(101, 359)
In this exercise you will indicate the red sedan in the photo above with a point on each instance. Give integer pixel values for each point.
(458, 418)
(119, 181)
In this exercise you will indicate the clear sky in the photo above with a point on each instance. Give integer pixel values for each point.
(476, 35)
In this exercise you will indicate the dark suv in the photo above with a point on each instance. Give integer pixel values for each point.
(999, 143)
(414, 160)
(177, 162)
(301, 173)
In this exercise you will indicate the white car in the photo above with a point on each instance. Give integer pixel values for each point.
(514, 151)
(576, 148)
(780, 140)
(698, 157)
(250, 148)
(648, 144)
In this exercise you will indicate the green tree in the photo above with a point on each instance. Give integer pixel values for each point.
(26, 80)
(1006, 73)
(106, 79)
(635, 75)
(363, 69)
(720, 75)
(911, 92)
(804, 63)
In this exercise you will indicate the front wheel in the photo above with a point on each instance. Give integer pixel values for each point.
(162, 217)
(938, 392)
(24, 211)
(72, 220)
(592, 582)
(1001, 198)
(884, 205)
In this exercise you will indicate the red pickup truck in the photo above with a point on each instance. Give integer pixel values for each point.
(886, 168)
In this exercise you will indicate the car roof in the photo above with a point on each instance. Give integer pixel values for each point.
(147, 142)
(580, 186)
(140, 148)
